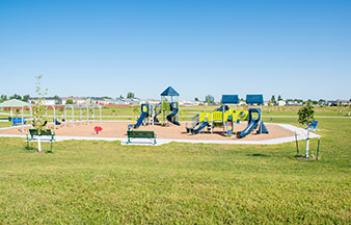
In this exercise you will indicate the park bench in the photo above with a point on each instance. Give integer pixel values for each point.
(139, 134)
(45, 135)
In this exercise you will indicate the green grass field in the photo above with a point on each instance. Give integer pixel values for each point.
(106, 183)
(5, 124)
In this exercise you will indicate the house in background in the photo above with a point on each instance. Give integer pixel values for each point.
(242, 103)
(281, 103)
(189, 103)
(46, 101)
(339, 103)
(293, 103)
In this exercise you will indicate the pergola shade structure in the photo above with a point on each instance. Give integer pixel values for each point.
(14, 103)
(17, 104)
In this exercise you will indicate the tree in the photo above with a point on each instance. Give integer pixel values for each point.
(69, 102)
(273, 100)
(16, 96)
(197, 99)
(130, 95)
(58, 100)
(39, 110)
(322, 102)
(3, 98)
(306, 114)
(280, 98)
(300, 101)
(26, 98)
(209, 99)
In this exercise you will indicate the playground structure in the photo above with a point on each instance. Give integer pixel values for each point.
(223, 117)
(149, 115)
(226, 118)
(255, 120)
(164, 113)
(170, 106)
(87, 113)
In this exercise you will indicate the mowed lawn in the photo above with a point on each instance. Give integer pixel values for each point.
(106, 183)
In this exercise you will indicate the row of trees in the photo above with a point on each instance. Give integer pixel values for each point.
(275, 100)
(209, 99)
(130, 95)
(26, 98)
(15, 96)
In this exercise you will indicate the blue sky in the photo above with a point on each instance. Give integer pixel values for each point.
(294, 48)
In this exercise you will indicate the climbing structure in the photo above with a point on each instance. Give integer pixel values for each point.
(170, 107)
(163, 113)
(255, 122)
(223, 117)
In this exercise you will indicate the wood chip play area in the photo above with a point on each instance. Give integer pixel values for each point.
(118, 130)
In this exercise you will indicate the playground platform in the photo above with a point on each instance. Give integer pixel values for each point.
(116, 131)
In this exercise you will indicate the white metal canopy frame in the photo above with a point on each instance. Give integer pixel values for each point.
(18, 104)
(82, 107)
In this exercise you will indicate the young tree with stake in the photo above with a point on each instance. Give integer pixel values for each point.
(306, 116)
(39, 110)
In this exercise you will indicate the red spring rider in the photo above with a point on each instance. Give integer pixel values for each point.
(97, 129)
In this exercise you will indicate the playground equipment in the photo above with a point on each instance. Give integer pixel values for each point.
(149, 115)
(87, 113)
(168, 109)
(255, 117)
(98, 129)
(222, 117)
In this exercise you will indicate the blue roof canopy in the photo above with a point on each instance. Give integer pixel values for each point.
(254, 99)
(170, 92)
(230, 99)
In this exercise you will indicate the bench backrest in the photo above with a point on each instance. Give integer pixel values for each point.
(141, 134)
(45, 132)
